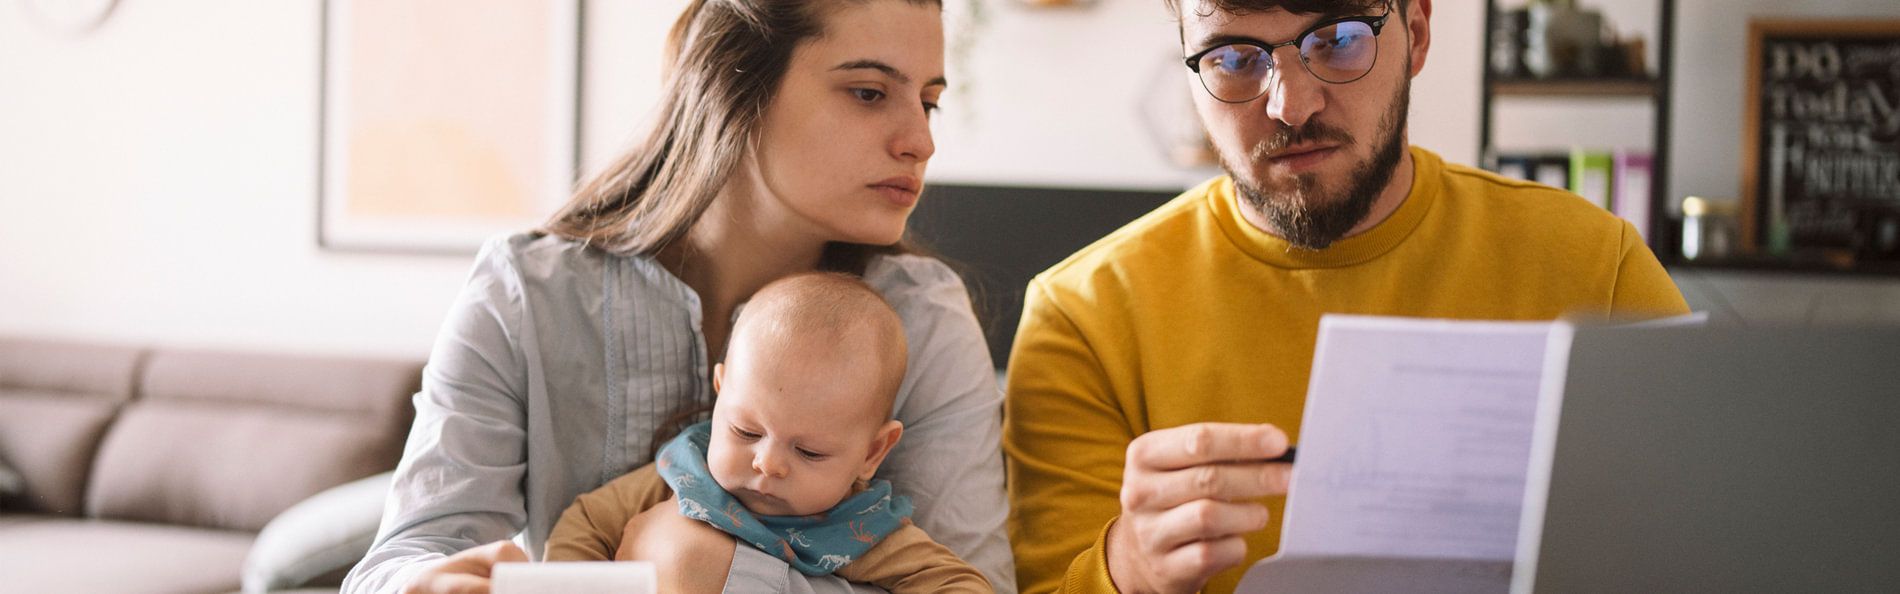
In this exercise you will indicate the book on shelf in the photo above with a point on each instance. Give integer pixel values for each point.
(1590, 175)
(1635, 173)
(1513, 166)
(1618, 180)
(1550, 169)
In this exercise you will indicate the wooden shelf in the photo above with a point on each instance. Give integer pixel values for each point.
(1652, 89)
(1575, 87)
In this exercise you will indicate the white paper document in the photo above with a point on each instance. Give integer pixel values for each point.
(574, 577)
(1413, 452)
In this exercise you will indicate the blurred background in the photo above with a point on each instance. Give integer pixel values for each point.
(159, 168)
(229, 230)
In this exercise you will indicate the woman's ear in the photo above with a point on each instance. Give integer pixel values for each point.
(719, 376)
(881, 445)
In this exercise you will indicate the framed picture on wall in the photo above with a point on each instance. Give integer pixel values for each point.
(1821, 139)
(443, 125)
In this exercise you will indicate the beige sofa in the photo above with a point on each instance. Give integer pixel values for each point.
(155, 470)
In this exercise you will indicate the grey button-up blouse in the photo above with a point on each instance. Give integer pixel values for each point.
(557, 363)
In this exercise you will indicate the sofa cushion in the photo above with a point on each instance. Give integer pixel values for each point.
(228, 440)
(50, 439)
(74, 368)
(231, 466)
(372, 389)
(74, 555)
(55, 401)
(232, 439)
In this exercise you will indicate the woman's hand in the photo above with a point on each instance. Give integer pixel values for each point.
(466, 572)
(690, 556)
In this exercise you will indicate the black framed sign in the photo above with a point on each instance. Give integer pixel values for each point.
(1821, 138)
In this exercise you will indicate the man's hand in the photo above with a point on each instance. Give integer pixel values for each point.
(465, 572)
(1185, 494)
(690, 556)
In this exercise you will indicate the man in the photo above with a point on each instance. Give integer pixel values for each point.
(1157, 371)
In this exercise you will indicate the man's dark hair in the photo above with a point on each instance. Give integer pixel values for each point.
(1327, 7)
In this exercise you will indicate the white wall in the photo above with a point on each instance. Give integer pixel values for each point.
(157, 176)
(1045, 97)
(157, 185)
(1712, 55)
(1059, 97)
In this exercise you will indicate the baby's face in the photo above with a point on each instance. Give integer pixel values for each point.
(794, 429)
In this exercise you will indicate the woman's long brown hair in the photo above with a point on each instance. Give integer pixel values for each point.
(725, 62)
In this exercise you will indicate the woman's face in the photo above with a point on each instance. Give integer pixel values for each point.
(842, 147)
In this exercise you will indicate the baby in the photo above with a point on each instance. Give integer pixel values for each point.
(800, 425)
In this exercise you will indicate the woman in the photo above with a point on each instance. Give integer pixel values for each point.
(792, 136)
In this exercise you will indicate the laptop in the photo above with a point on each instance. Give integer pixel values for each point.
(1718, 460)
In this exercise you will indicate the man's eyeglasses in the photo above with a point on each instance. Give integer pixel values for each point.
(1338, 51)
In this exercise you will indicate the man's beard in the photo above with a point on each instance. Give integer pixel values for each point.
(1300, 213)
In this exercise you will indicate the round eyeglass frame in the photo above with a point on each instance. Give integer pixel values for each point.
(1377, 23)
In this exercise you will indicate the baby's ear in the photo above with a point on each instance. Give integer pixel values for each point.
(881, 445)
(719, 376)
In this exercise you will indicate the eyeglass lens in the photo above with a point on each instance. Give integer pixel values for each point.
(1338, 53)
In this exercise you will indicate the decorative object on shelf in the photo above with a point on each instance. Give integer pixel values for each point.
(1556, 40)
(1507, 42)
(442, 126)
(1626, 57)
(75, 17)
(1623, 71)
(1708, 228)
(1821, 139)
(1562, 40)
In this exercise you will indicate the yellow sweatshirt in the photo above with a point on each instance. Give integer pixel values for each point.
(1192, 314)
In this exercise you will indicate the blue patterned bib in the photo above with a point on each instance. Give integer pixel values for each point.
(815, 545)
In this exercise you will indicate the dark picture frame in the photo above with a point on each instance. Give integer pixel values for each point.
(1817, 137)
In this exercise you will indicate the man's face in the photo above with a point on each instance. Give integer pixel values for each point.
(1308, 156)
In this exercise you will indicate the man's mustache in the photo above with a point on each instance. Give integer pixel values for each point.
(1285, 136)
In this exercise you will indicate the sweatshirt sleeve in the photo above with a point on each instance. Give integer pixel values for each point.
(590, 529)
(1066, 439)
(909, 562)
(1643, 286)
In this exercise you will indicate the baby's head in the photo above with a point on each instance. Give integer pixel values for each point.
(805, 394)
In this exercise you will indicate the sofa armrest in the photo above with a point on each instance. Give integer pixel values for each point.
(323, 535)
